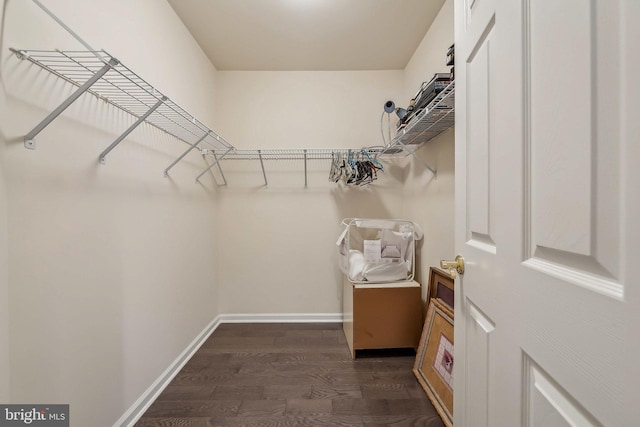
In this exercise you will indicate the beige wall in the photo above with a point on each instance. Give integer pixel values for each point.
(112, 270)
(4, 278)
(112, 267)
(4, 291)
(298, 109)
(277, 252)
(4, 265)
(277, 244)
(427, 200)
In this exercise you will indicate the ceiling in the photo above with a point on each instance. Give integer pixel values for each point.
(308, 34)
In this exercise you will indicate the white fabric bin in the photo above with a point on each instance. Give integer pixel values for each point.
(378, 250)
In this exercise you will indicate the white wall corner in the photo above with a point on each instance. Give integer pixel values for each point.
(428, 200)
(133, 414)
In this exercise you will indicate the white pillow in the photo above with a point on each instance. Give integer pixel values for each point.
(390, 251)
(356, 265)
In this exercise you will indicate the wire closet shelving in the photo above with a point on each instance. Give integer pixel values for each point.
(295, 154)
(102, 75)
(435, 118)
(438, 116)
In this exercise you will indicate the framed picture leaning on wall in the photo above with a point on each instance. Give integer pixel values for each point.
(434, 359)
(440, 286)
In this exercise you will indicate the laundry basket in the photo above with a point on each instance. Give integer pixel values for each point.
(378, 250)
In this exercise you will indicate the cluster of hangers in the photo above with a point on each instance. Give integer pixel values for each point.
(354, 167)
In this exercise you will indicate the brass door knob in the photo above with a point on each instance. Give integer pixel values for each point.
(453, 266)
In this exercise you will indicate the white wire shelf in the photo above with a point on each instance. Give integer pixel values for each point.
(304, 155)
(102, 75)
(296, 153)
(437, 117)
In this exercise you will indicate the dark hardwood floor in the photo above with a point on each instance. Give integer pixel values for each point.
(290, 375)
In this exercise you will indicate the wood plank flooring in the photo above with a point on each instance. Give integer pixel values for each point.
(284, 375)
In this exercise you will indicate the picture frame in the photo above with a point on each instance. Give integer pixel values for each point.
(433, 366)
(441, 285)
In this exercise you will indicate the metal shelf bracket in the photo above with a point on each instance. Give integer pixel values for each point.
(29, 139)
(138, 122)
(194, 145)
(217, 162)
(264, 175)
(305, 168)
(405, 148)
(224, 180)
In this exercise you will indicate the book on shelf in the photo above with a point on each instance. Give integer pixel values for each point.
(427, 92)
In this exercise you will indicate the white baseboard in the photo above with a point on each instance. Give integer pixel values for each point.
(138, 408)
(282, 318)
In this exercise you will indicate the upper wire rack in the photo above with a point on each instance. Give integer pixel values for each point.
(126, 90)
(294, 153)
(437, 117)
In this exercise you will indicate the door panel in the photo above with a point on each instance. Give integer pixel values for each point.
(478, 328)
(546, 404)
(478, 129)
(543, 213)
(573, 143)
(471, 10)
(560, 110)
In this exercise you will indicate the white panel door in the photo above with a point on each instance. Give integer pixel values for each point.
(547, 203)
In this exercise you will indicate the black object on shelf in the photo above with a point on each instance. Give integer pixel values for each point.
(451, 55)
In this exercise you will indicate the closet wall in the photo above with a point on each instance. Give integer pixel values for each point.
(111, 268)
(277, 243)
(4, 274)
(429, 201)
